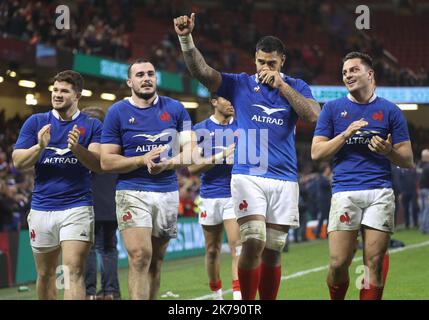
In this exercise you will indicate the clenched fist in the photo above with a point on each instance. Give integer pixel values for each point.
(184, 24)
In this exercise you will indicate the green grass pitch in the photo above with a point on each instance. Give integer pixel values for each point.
(303, 273)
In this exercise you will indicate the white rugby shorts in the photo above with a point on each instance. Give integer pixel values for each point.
(276, 200)
(373, 208)
(156, 210)
(214, 211)
(49, 228)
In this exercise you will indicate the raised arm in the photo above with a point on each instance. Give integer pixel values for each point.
(194, 60)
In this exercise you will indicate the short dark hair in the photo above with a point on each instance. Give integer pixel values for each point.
(139, 60)
(72, 77)
(213, 96)
(365, 58)
(270, 44)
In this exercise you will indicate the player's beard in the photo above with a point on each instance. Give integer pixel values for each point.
(65, 107)
(144, 96)
(227, 113)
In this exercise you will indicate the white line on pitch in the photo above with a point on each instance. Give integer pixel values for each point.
(304, 272)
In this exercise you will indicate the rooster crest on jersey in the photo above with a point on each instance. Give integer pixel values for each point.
(243, 205)
(377, 116)
(345, 218)
(165, 116)
(32, 235)
(126, 217)
(82, 131)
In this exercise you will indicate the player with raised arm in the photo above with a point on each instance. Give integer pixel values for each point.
(265, 189)
(63, 146)
(215, 136)
(364, 134)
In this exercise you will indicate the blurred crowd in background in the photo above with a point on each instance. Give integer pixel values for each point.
(107, 28)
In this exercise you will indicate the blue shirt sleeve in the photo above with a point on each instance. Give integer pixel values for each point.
(398, 126)
(324, 126)
(228, 85)
(196, 126)
(303, 88)
(28, 134)
(184, 122)
(96, 133)
(111, 132)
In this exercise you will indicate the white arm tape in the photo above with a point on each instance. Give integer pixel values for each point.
(185, 137)
(186, 42)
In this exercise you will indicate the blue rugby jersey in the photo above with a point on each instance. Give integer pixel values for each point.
(266, 126)
(139, 130)
(216, 182)
(61, 181)
(355, 166)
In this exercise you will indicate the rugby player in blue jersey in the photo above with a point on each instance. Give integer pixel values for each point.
(63, 146)
(264, 187)
(363, 134)
(136, 131)
(215, 137)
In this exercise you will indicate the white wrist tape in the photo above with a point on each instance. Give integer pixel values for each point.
(186, 42)
(218, 157)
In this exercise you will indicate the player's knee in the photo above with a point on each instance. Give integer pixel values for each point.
(276, 240)
(337, 262)
(375, 262)
(253, 229)
(212, 253)
(76, 272)
(139, 258)
(46, 275)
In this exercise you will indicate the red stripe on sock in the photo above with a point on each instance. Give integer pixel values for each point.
(270, 282)
(215, 286)
(235, 285)
(249, 282)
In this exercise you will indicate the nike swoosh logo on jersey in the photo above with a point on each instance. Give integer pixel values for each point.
(267, 110)
(59, 151)
(150, 137)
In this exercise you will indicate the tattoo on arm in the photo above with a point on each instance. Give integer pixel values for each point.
(306, 109)
(199, 69)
